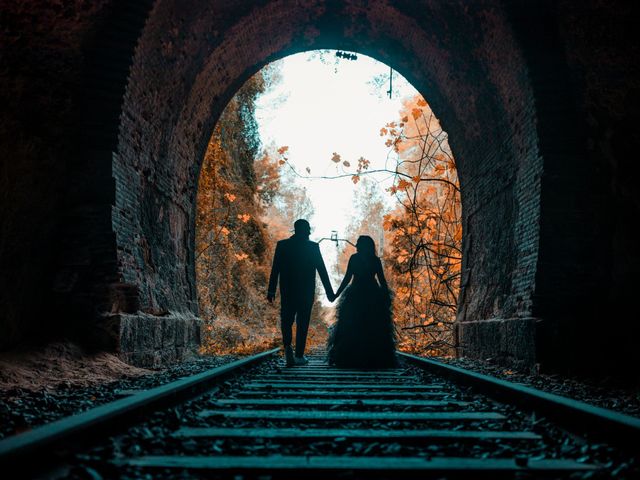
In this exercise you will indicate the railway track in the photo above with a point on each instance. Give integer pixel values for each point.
(255, 419)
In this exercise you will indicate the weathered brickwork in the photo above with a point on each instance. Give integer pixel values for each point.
(582, 69)
(536, 120)
(153, 341)
(52, 215)
(484, 105)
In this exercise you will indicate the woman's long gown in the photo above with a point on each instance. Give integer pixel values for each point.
(363, 335)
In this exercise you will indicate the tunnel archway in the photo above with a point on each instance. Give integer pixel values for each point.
(250, 192)
(189, 64)
(538, 100)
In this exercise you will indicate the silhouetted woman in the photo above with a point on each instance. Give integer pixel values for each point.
(363, 335)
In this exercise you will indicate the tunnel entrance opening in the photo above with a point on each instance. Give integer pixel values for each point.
(483, 105)
(99, 231)
(273, 158)
(179, 84)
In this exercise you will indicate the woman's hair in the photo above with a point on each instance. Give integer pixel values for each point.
(366, 245)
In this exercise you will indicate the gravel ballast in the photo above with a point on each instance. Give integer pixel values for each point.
(601, 392)
(22, 409)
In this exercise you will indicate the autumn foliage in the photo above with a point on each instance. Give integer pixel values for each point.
(422, 236)
(425, 231)
(232, 246)
(244, 206)
(248, 199)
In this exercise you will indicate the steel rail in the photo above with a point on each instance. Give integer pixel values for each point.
(43, 441)
(609, 425)
(260, 423)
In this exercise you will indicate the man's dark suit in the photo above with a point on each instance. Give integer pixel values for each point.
(295, 262)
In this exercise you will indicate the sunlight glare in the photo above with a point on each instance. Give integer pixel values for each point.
(323, 107)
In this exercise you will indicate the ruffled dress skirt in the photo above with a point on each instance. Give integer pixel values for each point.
(364, 334)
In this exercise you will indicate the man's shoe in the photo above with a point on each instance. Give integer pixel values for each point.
(288, 357)
(301, 360)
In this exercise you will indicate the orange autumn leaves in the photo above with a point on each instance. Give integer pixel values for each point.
(233, 248)
(245, 203)
(215, 199)
(423, 234)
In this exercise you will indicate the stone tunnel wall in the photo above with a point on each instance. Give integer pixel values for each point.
(189, 62)
(586, 93)
(43, 49)
(107, 177)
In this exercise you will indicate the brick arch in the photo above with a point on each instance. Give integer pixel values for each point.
(188, 64)
(107, 108)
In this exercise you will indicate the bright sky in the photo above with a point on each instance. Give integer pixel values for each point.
(323, 107)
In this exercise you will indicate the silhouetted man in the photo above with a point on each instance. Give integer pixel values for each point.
(296, 261)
